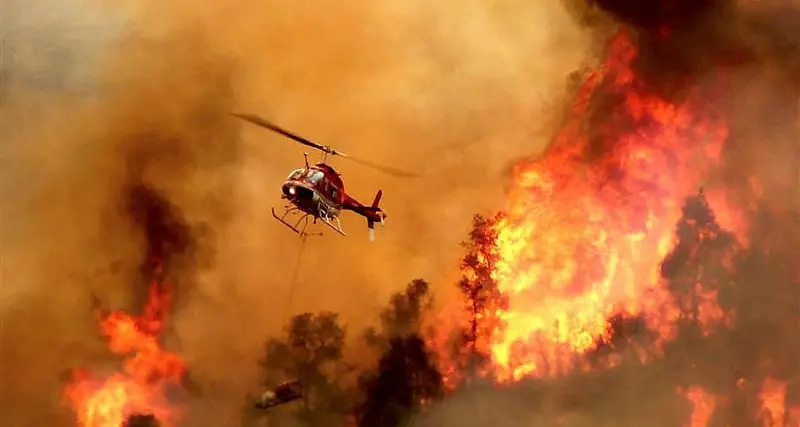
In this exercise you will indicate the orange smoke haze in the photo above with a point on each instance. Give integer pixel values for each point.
(457, 91)
(99, 96)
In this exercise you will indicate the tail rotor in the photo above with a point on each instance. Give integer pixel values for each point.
(375, 214)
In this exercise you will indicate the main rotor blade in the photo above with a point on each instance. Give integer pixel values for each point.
(260, 121)
(385, 169)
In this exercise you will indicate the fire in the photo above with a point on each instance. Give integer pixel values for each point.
(147, 373)
(615, 229)
(772, 403)
(576, 249)
(703, 405)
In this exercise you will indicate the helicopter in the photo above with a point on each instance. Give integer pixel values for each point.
(316, 192)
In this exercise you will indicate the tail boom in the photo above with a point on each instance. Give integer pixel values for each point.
(372, 213)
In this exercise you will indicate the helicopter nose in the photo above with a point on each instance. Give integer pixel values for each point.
(292, 191)
(289, 190)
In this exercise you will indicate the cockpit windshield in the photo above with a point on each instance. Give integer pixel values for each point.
(313, 176)
(296, 174)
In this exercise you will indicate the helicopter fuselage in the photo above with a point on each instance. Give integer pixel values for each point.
(316, 190)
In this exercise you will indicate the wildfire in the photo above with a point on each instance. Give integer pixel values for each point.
(578, 248)
(147, 374)
(772, 401)
(615, 226)
(703, 404)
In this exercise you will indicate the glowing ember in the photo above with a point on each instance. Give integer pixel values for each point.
(148, 370)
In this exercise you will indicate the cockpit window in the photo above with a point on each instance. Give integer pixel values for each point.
(296, 174)
(313, 176)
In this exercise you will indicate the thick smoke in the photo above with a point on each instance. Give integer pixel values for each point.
(115, 114)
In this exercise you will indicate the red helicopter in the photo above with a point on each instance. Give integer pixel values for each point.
(317, 192)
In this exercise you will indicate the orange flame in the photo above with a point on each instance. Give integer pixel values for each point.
(148, 370)
(703, 406)
(578, 248)
(773, 407)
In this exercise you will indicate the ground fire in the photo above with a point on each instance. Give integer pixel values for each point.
(148, 371)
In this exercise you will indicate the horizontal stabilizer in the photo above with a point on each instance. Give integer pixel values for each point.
(377, 201)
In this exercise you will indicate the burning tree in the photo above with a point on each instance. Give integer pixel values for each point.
(589, 221)
(700, 266)
(150, 374)
(484, 300)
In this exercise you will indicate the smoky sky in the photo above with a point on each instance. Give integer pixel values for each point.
(103, 101)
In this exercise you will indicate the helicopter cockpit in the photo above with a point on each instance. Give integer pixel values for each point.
(309, 176)
(296, 174)
(313, 176)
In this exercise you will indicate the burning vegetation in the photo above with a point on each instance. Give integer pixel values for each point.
(139, 393)
(621, 286)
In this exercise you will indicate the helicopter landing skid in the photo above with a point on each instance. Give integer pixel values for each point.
(336, 227)
(297, 228)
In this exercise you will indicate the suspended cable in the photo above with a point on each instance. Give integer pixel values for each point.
(293, 283)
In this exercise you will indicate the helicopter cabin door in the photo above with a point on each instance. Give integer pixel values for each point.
(332, 192)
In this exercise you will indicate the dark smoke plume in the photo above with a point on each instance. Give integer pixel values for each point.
(166, 234)
(658, 15)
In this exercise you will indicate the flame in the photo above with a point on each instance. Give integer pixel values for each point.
(576, 249)
(703, 405)
(592, 231)
(773, 407)
(147, 374)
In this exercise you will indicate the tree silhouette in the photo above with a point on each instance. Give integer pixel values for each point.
(406, 379)
(700, 265)
(403, 316)
(713, 277)
(483, 298)
(407, 375)
(311, 352)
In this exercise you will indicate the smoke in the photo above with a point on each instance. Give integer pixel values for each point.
(103, 105)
